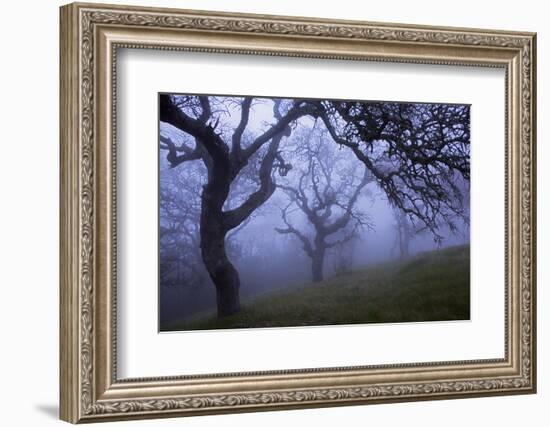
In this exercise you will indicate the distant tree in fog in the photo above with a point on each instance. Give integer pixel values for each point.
(324, 186)
(404, 232)
(180, 259)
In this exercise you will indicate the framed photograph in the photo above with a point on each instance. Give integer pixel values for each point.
(267, 212)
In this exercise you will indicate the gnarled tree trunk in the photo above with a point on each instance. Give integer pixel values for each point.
(224, 159)
(222, 272)
(213, 232)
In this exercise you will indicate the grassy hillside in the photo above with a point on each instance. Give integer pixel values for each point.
(430, 286)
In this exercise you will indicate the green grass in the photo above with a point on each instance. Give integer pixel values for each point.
(427, 287)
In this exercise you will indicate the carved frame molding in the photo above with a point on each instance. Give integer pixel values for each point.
(90, 36)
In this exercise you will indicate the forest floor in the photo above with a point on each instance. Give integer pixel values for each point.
(430, 286)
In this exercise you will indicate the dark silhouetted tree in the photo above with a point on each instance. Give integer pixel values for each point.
(225, 155)
(179, 232)
(419, 154)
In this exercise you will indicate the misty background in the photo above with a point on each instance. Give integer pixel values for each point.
(266, 257)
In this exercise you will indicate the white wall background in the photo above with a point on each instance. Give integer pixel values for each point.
(29, 170)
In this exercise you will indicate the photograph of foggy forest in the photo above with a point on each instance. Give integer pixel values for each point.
(279, 212)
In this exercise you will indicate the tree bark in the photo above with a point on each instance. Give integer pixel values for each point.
(222, 272)
(213, 233)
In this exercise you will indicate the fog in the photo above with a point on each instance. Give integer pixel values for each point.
(267, 249)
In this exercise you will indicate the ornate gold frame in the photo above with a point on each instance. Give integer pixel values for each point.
(90, 36)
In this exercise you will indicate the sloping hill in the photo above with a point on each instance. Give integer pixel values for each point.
(430, 286)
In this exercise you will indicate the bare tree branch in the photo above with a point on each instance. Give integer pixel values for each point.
(327, 211)
(239, 130)
(189, 154)
(292, 230)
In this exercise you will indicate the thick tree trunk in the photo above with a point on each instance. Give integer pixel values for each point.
(317, 262)
(213, 232)
(221, 271)
(227, 291)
